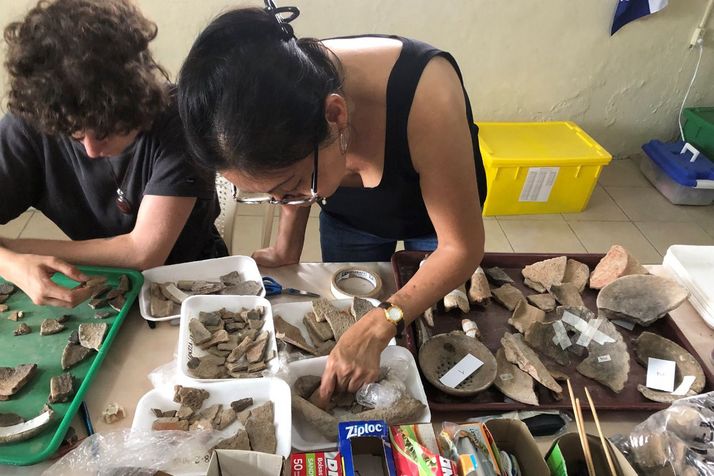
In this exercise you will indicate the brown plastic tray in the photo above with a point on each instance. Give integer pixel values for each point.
(492, 322)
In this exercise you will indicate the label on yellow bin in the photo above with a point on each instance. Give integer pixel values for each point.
(538, 184)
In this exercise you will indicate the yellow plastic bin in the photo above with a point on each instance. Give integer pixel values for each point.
(539, 167)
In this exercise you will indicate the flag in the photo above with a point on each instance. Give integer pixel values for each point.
(629, 10)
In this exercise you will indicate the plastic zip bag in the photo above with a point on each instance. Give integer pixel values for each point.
(678, 440)
(388, 390)
(138, 453)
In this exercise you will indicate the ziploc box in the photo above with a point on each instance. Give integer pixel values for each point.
(365, 448)
(416, 451)
(315, 464)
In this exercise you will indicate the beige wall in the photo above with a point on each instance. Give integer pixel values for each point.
(521, 59)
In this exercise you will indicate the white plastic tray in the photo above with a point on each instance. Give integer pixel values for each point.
(224, 392)
(194, 304)
(306, 438)
(293, 312)
(694, 268)
(210, 269)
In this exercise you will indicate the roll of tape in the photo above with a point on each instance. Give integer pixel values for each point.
(367, 284)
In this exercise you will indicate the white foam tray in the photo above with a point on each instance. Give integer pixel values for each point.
(306, 438)
(195, 304)
(224, 392)
(693, 266)
(210, 269)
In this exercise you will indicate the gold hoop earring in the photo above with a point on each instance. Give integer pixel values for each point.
(344, 142)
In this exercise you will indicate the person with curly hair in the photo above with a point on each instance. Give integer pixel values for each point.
(376, 129)
(93, 139)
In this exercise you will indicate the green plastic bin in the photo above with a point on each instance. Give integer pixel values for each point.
(699, 129)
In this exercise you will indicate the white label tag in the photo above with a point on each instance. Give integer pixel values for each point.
(604, 358)
(539, 182)
(461, 371)
(686, 384)
(624, 324)
(505, 377)
(660, 374)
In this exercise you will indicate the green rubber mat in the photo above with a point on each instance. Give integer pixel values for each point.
(46, 351)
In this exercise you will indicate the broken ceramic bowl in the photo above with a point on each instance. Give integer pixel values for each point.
(442, 352)
(641, 299)
(652, 345)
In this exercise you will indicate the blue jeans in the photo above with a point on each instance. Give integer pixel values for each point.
(342, 243)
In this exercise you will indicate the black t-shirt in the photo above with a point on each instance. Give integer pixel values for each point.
(55, 175)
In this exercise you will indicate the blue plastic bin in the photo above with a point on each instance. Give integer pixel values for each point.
(683, 182)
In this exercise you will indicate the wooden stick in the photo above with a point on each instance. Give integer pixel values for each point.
(581, 428)
(603, 441)
(586, 445)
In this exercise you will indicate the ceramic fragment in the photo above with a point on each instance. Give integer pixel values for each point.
(50, 326)
(508, 296)
(479, 291)
(520, 354)
(641, 299)
(61, 388)
(513, 382)
(12, 379)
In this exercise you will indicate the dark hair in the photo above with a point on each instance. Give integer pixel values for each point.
(84, 64)
(251, 98)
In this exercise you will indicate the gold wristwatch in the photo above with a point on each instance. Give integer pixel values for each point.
(394, 314)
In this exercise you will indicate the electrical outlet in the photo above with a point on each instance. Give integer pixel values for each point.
(697, 37)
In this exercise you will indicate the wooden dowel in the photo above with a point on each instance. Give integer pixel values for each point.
(580, 425)
(586, 444)
(603, 441)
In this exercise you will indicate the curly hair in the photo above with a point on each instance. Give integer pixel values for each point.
(76, 65)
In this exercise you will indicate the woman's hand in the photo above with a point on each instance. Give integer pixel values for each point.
(32, 274)
(354, 361)
(271, 258)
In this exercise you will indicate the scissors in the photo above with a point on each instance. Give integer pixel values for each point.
(272, 288)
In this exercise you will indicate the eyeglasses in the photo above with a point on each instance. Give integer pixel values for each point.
(260, 198)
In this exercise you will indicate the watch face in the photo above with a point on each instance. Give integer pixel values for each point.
(394, 313)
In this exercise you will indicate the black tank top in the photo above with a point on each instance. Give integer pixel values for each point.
(395, 208)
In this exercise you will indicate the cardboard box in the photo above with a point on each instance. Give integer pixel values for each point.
(365, 448)
(566, 454)
(512, 436)
(416, 452)
(241, 463)
(315, 464)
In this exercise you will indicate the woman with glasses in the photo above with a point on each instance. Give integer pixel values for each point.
(376, 129)
(93, 139)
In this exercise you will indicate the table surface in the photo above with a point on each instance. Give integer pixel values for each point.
(137, 350)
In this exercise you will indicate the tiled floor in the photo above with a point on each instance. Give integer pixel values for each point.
(624, 209)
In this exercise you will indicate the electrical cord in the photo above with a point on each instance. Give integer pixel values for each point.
(700, 44)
